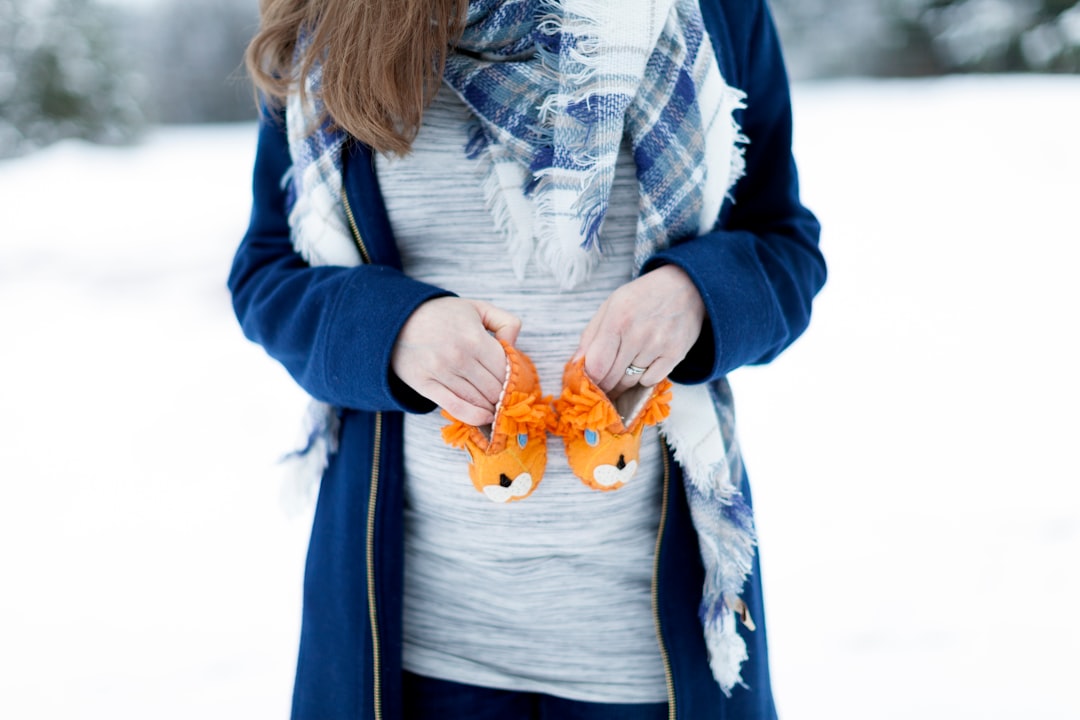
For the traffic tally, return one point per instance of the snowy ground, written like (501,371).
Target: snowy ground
(913,456)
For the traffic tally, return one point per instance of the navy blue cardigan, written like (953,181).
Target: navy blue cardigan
(334,328)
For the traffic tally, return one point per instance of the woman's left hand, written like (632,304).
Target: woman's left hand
(650,322)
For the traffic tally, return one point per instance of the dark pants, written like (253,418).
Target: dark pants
(429,699)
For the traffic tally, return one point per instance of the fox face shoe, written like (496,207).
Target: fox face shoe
(508,457)
(602,437)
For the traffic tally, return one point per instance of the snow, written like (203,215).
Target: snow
(912,455)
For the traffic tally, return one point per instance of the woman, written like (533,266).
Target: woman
(467,205)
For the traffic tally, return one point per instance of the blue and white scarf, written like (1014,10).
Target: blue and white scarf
(555,85)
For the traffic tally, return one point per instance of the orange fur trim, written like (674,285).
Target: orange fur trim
(584,407)
(524,413)
(456,433)
(658,406)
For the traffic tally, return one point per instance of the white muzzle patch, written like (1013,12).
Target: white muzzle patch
(609,475)
(520,487)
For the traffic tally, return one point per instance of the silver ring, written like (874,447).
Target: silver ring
(632,370)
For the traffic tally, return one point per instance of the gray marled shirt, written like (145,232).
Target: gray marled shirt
(551,593)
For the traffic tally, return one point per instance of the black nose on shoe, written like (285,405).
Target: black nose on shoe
(622,462)
(504,481)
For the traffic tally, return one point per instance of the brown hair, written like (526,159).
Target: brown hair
(382,60)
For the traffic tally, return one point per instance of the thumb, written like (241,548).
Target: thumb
(503,324)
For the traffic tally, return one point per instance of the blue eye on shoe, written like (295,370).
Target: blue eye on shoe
(523,439)
(592,438)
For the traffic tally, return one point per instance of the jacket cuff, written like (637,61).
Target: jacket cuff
(740,307)
(353,358)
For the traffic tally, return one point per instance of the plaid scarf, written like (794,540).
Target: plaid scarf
(554,86)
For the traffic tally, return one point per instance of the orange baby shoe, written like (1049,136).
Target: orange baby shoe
(603,438)
(508,457)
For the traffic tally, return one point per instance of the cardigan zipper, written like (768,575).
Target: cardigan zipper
(373,495)
(373,617)
(364,255)
(664,655)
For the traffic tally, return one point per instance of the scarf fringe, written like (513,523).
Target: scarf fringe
(724,149)
(304,467)
(699,443)
(512,223)
(574,65)
(569,262)
(727,652)
(702,436)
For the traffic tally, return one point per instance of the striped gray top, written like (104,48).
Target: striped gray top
(551,593)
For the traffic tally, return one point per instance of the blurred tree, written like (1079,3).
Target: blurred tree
(71,68)
(824,38)
(998,35)
(929,37)
(194,60)
(62,75)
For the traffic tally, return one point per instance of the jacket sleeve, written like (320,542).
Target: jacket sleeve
(333,328)
(759,269)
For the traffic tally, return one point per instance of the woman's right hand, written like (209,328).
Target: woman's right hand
(446,352)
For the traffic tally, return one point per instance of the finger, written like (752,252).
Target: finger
(503,324)
(660,368)
(617,379)
(489,376)
(465,388)
(457,406)
(611,348)
(458,363)
(626,381)
(588,335)
(466,413)
(600,358)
